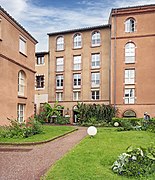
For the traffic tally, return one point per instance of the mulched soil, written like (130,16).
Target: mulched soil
(31,162)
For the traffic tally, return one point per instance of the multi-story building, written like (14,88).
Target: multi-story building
(133,60)
(41,79)
(79,67)
(17,69)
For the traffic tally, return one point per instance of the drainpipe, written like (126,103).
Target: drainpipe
(115,29)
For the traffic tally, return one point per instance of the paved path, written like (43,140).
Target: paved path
(31,162)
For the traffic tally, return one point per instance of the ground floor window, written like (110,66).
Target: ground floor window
(20,113)
(129,114)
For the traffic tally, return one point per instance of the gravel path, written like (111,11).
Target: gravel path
(31,162)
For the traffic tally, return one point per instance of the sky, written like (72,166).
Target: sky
(40,17)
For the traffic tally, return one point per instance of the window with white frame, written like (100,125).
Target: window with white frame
(129,96)
(95,79)
(59,64)
(22,45)
(96,38)
(59,81)
(20,113)
(76,80)
(77,39)
(76,62)
(40,81)
(21,83)
(129,76)
(130,53)
(95,60)
(59,96)
(60,43)
(76,96)
(40,60)
(130,25)
(95,94)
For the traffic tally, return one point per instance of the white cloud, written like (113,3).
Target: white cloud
(41,20)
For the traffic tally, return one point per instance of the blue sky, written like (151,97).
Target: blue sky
(40,17)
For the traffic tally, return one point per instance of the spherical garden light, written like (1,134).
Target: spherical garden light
(92,131)
(116,124)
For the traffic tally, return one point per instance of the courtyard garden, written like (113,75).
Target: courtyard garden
(94,158)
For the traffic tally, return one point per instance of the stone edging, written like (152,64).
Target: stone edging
(37,143)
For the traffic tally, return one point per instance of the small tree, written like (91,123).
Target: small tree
(49,111)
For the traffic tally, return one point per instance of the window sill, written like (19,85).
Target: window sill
(23,54)
(22,97)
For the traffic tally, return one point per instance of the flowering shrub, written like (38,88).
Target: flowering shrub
(135,162)
(24,130)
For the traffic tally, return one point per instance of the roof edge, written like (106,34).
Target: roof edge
(4,11)
(80,29)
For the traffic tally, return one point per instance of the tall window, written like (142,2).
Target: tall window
(77,41)
(20,113)
(60,43)
(40,81)
(95,60)
(60,64)
(129,76)
(129,96)
(40,60)
(77,63)
(21,83)
(96,38)
(22,45)
(95,79)
(130,53)
(59,96)
(130,25)
(95,95)
(76,95)
(0,28)
(59,81)
(77,80)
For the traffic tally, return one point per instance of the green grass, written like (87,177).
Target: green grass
(93,157)
(49,132)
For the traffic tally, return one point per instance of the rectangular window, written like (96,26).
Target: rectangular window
(40,81)
(129,76)
(40,60)
(129,96)
(95,60)
(76,95)
(59,81)
(59,64)
(77,80)
(95,79)
(22,45)
(95,95)
(77,63)
(20,113)
(59,96)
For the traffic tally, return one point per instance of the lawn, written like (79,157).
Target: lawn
(49,132)
(93,157)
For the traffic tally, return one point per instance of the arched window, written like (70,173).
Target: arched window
(96,38)
(60,43)
(130,25)
(77,40)
(21,83)
(130,53)
(129,114)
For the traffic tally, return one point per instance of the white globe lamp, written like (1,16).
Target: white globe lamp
(92,131)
